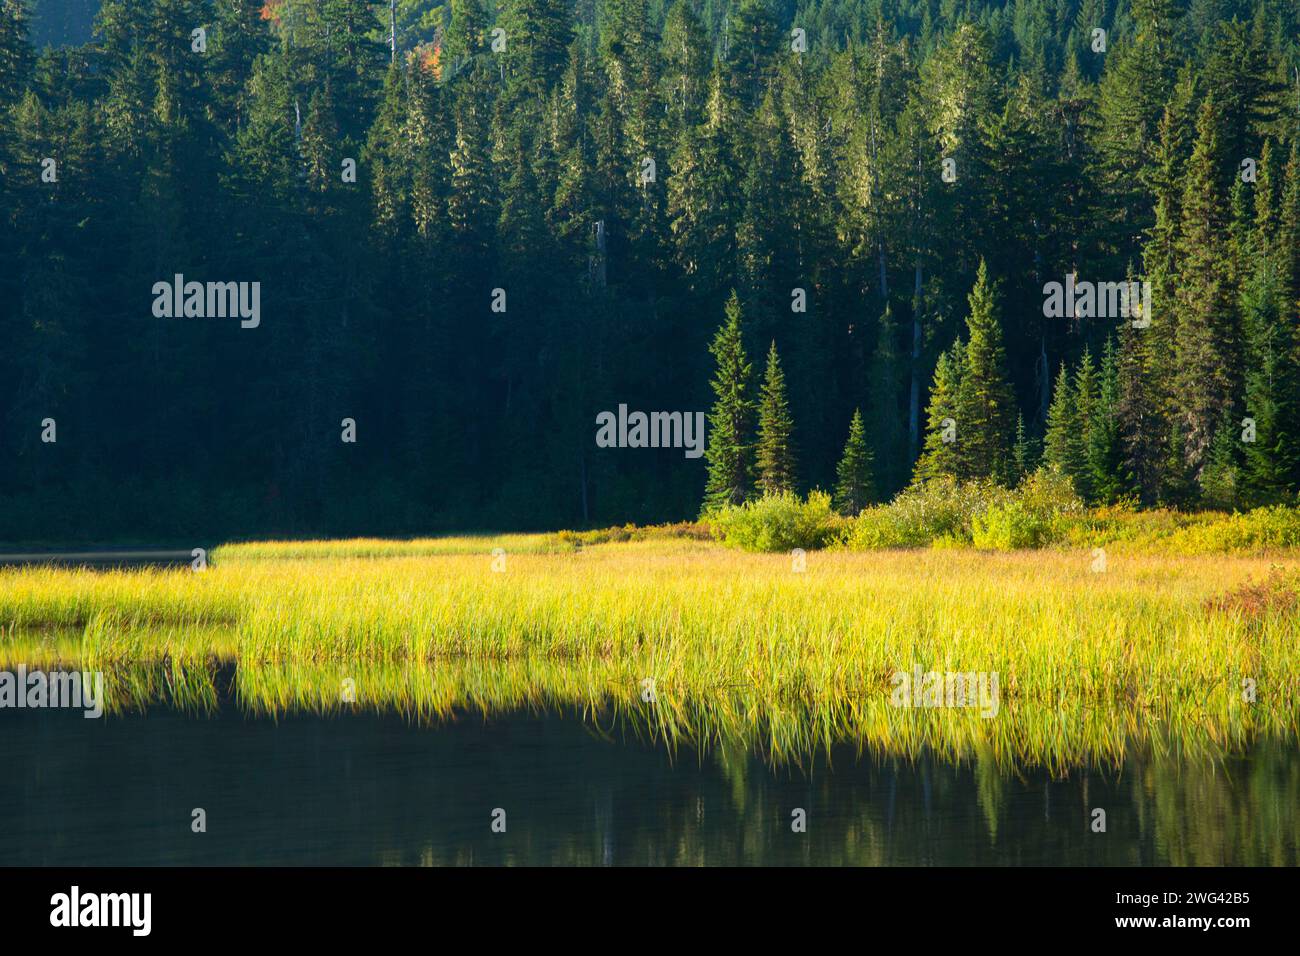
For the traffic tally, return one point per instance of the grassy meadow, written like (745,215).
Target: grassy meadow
(1149,653)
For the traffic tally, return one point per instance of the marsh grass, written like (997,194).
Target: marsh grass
(739,646)
(396,548)
(796,728)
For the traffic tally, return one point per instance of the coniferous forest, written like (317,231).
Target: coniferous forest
(828,223)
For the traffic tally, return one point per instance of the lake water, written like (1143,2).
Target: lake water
(365,788)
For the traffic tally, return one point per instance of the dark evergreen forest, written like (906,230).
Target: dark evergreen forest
(477,231)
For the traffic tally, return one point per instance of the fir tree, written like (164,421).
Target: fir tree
(1220,477)
(1061,442)
(775,457)
(1024,454)
(853,486)
(888,428)
(1105,449)
(985,412)
(1085,418)
(730,445)
(1206,350)
(943,435)
(15,53)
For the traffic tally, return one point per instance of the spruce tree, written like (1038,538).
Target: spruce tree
(1219,479)
(15,52)
(684,52)
(943,431)
(888,429)
(775,457)
(1178,479)
(1061,440)
(729,449)
(1269,387)
(854,484)
(1286,254)
(1147,353)
(1023,453)
(1140,429)
(1105,450)
(537,41)
(1207,351)
(465,35)
(1085,404)
(985,409)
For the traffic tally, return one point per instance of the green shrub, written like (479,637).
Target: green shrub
(778,522)
(1047,492)
(1124,525)
(1009,527)
(943,512)
(1044,510)
(1263,529)
(1036,514)
(941,508)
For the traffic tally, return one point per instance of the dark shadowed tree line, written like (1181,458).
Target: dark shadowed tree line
(830,222)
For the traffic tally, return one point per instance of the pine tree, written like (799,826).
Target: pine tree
(238,40)
(1147,404)
(356,60)
(854,484)
(750,46)
(1135,89)
(390,170)
(266,155)
(730,450)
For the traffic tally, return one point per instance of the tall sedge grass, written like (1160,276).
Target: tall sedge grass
(738,645)
(394,548)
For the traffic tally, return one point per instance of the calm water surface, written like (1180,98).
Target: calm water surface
(373,789)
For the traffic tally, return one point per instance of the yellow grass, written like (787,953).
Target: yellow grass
(737,645)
